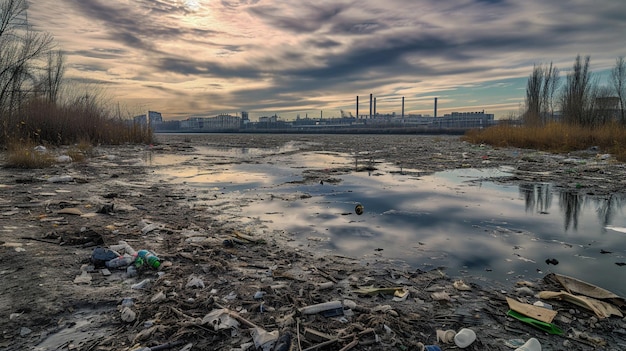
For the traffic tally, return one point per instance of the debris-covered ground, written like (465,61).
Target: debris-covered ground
(221,286)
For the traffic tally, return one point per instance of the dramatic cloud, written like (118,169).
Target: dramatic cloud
(185,57)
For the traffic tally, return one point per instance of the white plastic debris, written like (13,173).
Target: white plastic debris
(128,315)
(141,285)
(264,339)
(60,179)
(195,282)
(158,297)
(220,319)
(64,159)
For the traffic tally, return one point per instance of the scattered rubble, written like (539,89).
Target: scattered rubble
(220,287)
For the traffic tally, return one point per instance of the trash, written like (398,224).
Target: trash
(461,286)
(326,309)
(128,315)
(71,211)
(283,343)
(440,296)
(60,179)
(325,285)
(100,255)
(464,338)
(158,297)
(106,209)
(83,278)
(148,258)
(264,339)
(259,295)
(120,262)
(220,319)
(376,291)
(105,272)
(600,308)
(141,285)
(552,261)
(531,345)
(578,286)
(123,247)
(25,331)
(432,348)
(131,271)
(542,304)
(445,336)
(400,295)
(539,313)
(231,296)
(358,209)
(546,327)
(195,282)
(64,159)
(150,227)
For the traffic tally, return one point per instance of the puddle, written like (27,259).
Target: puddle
(458,219)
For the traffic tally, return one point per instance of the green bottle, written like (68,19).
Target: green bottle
(148,258)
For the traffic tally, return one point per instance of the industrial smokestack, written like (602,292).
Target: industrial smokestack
(370,105)
(374,106)
(435,107)
(357,107)
(403,109)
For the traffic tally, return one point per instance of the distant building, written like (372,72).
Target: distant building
(152,119)
(218,123)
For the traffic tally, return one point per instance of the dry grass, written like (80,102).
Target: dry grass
(23,155)
(85,121)
(555,137)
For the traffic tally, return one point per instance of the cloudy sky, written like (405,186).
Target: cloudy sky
(184,57)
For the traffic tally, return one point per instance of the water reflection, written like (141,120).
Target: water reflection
(538,199)
(538,196)
(458,218)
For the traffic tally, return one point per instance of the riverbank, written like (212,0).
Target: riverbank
(54,298)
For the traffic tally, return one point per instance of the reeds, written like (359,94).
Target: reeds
(555,137)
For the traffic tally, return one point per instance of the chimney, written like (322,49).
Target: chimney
(370,106)
(403,109)
(374,106)
(357,107)
(435,107)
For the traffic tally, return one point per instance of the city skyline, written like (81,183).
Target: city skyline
(191,57)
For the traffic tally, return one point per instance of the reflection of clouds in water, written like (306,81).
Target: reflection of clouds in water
(442,219)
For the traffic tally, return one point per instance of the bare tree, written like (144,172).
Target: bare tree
(50,81)
(540,90)
(20,47)
(550,86)
(533,97)
(618,80)
(576,97)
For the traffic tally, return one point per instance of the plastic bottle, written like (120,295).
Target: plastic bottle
(148,258)
(531,345)
(120,262)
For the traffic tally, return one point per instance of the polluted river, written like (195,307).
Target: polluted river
(463,219)
(281,242)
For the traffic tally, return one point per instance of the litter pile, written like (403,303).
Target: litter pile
(101,246)
(232,291)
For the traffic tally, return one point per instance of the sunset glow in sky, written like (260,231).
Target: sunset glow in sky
(184,57)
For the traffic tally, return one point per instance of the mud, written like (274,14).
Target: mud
(53,298)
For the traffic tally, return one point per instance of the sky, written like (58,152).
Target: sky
(313,58)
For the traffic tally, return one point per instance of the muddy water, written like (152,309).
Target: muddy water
(459,219)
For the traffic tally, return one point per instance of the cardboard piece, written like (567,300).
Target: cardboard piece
(536,312)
